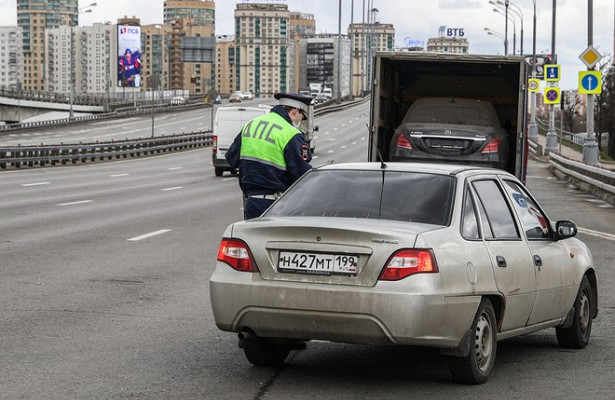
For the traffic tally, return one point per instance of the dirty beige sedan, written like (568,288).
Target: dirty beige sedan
(444,256)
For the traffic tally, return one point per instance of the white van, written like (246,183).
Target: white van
(328,92)
(227,125)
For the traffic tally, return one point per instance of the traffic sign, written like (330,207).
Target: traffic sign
(552,72)
(590,57)
(533,85)
(552,95)
(590,82)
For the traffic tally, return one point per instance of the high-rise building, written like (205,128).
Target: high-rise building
(225,64)
(11,61)
(34,17)
(79,59)
(322,62)
(261,48)
(156,46)
(193,44)
(301,26)
(367,39)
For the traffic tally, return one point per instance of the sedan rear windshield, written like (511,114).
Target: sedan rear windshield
(454,114)
(401,196)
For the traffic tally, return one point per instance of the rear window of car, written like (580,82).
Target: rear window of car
(453,113)
(392,195)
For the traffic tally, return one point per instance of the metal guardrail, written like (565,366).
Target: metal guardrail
(31,156)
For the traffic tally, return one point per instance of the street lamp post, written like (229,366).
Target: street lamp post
(519,13)
(533,127)
(497,34)
(551,143)
(590,146)
(512,19)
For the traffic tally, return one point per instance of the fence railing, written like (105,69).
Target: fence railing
(62,154)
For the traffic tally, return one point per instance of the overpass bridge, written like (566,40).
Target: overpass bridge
(17,106)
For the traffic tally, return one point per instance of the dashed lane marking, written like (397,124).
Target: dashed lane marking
(74,203)
(35,184)
(599,234)
(149,235)
(172,188)
(117,175)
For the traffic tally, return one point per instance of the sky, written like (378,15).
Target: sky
(416,20)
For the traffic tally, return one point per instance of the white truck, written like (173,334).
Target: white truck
(315,88)
(230,120)
(401,78)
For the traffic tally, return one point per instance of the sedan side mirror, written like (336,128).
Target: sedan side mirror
(565,229)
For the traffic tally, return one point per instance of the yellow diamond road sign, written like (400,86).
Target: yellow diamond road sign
(590,57)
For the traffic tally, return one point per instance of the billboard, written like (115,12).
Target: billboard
(129,55)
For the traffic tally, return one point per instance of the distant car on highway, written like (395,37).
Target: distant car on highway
(320,98)
(235,98)
(178,101)
(445,256)
(248,96)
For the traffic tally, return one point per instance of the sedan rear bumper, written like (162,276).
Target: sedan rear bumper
(379,315)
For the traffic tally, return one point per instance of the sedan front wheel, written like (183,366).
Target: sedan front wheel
(264,353)
(577,335)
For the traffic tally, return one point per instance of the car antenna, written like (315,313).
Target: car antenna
(382,163)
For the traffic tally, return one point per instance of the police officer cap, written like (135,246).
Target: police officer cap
(294,100)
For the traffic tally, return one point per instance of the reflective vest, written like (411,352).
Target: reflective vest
(263,139)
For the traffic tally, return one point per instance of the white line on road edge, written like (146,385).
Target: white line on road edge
(149,235)
(35,184)
(603,235)
(75,203)
(173,188)
(117,175)
(174,168)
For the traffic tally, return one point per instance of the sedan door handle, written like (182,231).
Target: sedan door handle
(538,262)
(501,261)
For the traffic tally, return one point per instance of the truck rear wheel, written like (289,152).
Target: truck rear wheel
(218,171)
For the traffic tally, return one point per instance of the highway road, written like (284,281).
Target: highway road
(104,292)
(173,120)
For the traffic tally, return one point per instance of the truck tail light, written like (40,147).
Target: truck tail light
(402,141)
(408,262)
(236,254)
(214,146)
(492,147)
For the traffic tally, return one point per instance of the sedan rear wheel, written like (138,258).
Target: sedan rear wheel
(577,335)
(264,353)
(476,367)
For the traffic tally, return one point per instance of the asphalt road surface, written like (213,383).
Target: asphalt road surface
(104,293)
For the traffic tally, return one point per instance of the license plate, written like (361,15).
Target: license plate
(318,263)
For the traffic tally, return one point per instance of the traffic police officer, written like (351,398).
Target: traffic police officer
(271,153)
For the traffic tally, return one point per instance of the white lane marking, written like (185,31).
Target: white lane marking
(172,188)
(149,235)
(599,234)
(117,175)
(343,147)
(35,184)
(330,151)
(229,179)
(73,203)
(174,168)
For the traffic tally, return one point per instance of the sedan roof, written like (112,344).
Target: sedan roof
(434,168)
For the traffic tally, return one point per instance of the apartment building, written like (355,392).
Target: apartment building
(34,17)
(11,60)
(192,44)
(262,48)
(367,39)
(78,59)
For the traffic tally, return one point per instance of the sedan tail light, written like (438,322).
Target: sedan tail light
(408,262)
(236,254)
(402,141)
(492,147)
(214,146)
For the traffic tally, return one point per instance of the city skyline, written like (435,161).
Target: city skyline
(416,24)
